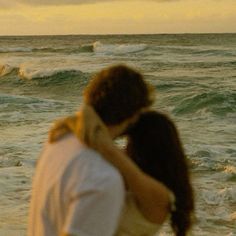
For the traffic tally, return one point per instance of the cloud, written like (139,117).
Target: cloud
(58,2)
(6,4)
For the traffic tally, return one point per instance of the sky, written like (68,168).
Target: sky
(56,17)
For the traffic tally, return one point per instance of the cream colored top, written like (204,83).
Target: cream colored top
(133,223)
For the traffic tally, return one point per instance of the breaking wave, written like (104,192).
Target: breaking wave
(70,50)
(218,103)
(96,47)
(7,69)
(118,48)
(28,73)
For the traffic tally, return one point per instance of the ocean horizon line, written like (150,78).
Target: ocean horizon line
(115,34)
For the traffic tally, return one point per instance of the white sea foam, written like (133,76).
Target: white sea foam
(30,73)
(118,48)
(15,49)
(40,68)
(218,198)
(46,67)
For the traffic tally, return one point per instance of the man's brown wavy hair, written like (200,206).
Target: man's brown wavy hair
(117,93)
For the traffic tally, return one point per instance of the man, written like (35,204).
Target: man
(75,191)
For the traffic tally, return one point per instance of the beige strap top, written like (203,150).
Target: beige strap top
(133,223)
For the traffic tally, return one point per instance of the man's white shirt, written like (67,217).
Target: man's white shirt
(75,191)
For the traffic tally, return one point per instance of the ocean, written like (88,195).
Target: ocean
(42,78)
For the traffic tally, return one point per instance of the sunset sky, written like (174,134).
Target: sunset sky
(36,17)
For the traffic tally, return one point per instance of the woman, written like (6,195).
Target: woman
(154,145)
(156,176)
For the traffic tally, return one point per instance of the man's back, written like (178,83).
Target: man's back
(74,190)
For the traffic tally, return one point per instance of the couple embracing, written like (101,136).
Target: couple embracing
(85,185)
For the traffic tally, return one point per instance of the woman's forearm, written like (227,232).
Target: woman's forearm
(151,195)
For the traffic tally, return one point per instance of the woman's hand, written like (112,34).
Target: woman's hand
(86,126)
(61,128)
(91,130)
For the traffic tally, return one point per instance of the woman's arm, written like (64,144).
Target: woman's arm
(151,195)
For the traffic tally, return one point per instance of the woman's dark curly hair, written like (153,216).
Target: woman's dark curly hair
(154,144)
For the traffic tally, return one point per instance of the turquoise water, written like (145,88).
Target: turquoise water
(42,78)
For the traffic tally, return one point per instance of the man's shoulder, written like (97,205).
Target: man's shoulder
(98,166)
(92,171)
(88,162)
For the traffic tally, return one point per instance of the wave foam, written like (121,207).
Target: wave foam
(28,71)
(15,49)
(70,50)
(118,48)
(97,47)
(219,198)
(31,73)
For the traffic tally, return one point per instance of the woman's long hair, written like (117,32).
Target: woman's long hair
(155,146)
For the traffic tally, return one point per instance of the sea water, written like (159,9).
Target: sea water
(42,78)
